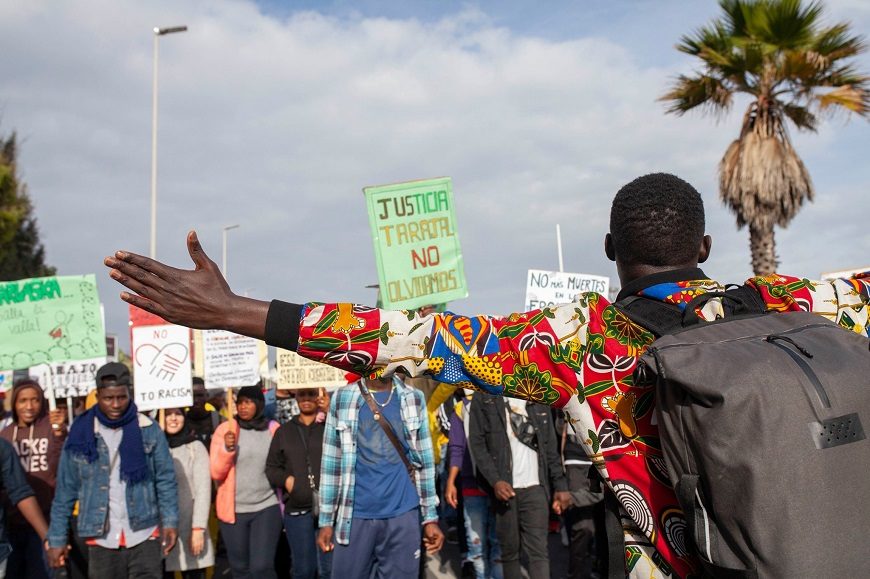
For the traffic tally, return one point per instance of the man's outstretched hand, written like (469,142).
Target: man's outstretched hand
(198,298)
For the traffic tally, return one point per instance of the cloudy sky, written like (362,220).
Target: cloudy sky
(274,115)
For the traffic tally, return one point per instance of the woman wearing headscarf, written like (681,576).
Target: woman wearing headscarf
(250,519)
(37,436)
(193,553)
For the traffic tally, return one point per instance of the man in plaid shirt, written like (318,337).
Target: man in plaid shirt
(370,511)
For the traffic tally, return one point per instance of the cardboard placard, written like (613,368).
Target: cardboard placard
(228,359)
(68,378)
(50,319)
(417,249)
(550,288)
(161,369)
(296,372)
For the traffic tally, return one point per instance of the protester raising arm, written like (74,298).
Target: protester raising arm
(479,352)
(577,356)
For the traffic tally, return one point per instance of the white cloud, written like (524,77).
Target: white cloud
(277,124)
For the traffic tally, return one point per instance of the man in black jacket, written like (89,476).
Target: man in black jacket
(293,465)
(514,448)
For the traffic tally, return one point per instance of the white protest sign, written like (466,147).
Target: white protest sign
(295,372)
(230,360)
(68,378)
(550,288)
(161,371)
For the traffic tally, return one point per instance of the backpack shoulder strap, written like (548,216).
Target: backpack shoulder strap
(657,317)
(750,298)
(388,430)
(662,318)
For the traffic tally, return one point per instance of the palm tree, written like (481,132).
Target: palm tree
(794,68)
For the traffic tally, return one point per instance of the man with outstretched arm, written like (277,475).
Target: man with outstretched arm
(578,356)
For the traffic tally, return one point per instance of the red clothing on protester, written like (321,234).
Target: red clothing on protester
(579,357)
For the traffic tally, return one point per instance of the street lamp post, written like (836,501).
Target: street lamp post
(224,249)
(158,32)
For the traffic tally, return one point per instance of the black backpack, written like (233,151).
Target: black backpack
(760,417)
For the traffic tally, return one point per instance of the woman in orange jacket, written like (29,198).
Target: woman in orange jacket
(249,515)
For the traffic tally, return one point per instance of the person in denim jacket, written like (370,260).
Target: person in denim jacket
(116,463)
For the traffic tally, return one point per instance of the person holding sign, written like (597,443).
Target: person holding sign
(579,356)
(116,464)
(37,435)
(247,506)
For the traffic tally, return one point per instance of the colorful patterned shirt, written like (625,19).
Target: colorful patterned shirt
(579,357)
(338,466)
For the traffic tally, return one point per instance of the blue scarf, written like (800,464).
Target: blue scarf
(82,441)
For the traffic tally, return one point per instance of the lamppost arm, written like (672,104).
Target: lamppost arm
(169,30)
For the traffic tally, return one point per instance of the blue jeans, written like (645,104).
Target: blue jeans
(251,543)
(483,549)
(308,562)
(447,513)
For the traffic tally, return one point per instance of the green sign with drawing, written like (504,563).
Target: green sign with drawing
(416,245)
(50,319)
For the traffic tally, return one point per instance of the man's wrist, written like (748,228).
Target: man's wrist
(246,316)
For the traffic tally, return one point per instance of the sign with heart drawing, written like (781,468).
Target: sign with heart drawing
(162,372)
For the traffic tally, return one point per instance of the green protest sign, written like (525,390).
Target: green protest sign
(50,319)
(416,245)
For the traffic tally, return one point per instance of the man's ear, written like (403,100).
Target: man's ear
(704,250)
(608,247)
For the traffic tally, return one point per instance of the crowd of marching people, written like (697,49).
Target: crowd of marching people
(371,479)
(361,482)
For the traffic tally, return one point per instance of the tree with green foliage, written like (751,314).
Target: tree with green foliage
(21,253)
(794,67)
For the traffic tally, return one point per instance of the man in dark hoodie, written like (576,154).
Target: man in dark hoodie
(37,436)
(293,464)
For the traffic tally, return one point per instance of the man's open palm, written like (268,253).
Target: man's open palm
(198,298)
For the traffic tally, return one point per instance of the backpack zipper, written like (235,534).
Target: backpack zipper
(802,364)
